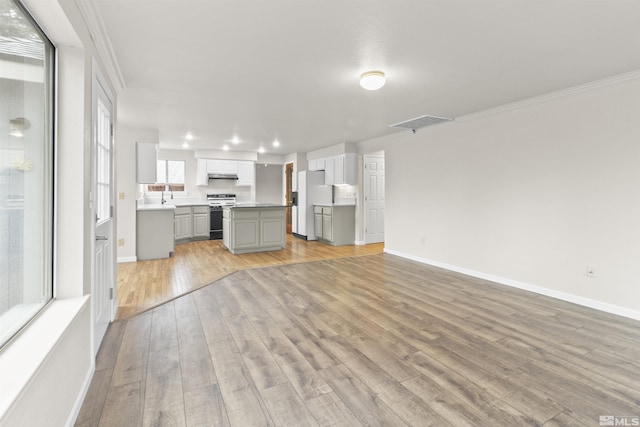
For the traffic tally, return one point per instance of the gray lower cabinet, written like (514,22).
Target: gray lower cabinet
(182,228)
(201,221)
(154,238)
(335,224)
(191,223)
(254,229)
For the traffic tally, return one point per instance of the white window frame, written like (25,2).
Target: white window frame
(166,174)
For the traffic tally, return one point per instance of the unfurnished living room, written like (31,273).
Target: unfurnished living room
(334,213)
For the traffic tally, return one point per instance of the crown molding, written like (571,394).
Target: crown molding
(98,33)
(551,96)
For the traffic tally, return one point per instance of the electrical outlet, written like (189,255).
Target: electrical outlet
(120,242)
(591,271)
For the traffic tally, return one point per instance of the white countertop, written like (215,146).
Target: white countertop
(178,202)
(255,206)
(156,207)
(334,205)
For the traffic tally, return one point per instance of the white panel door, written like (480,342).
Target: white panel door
(103,284)
(374,199)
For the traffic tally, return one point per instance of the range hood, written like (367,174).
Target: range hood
(223,176)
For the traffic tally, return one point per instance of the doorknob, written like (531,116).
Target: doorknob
(102,238)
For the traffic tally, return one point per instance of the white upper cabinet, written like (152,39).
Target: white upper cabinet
(244,169)
(342,169)
(147,162)
(316,165)
(246,173)
(214,166)
(345,169)
(230,166)
(202,178)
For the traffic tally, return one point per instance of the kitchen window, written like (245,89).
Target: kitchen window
(26,169)
(170,176)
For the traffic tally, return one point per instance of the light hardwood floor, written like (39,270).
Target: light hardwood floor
(370,340)
(146,284)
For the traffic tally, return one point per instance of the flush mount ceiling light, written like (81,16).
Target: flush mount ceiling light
(189,136)
(372,80)
(185,144)
(276,143)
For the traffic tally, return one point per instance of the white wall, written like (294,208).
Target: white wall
(529,195)
(269,187)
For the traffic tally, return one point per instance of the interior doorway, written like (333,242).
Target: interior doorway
(373,198)
(288,172)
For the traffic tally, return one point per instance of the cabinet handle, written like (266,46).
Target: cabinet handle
(102,238)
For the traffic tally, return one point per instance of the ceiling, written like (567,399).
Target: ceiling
(289,69)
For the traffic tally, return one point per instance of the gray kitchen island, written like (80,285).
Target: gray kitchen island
(256,227)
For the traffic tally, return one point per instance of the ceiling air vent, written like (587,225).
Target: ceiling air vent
(420,122)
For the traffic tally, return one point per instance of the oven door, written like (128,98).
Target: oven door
(215,222)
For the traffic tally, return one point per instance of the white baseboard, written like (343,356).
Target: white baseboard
(127,259)
(75,411)
(564,296)
(360,242)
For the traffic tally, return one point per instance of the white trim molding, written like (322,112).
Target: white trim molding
(77,406)
(575,299)
(95,25)
(620,78)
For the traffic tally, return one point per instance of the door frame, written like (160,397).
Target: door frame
(99,83)
(288,189)
(364,193)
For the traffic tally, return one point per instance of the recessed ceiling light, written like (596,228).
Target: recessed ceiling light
(235,140)
(261,150)
(189,136)
(225,147)
(185,144)
(276,143)
(372,80)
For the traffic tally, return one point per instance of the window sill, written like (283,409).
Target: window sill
(22,358)
(17,315)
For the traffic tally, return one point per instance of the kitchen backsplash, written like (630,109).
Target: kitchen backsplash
(344,194)
(218,186)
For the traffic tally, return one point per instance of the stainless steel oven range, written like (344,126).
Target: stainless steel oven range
(216,203)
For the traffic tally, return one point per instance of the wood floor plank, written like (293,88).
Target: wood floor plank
(304,379)
(195,362)
(370,340)
(95,399)
(263,369)
(108,354)
(360,400)
(242,401)
(164,335)
(123,406)
(164,399)
(144,284)
(329,410)
(286,407)
(131,364)
(204,407)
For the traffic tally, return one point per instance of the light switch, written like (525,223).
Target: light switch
(120,196)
